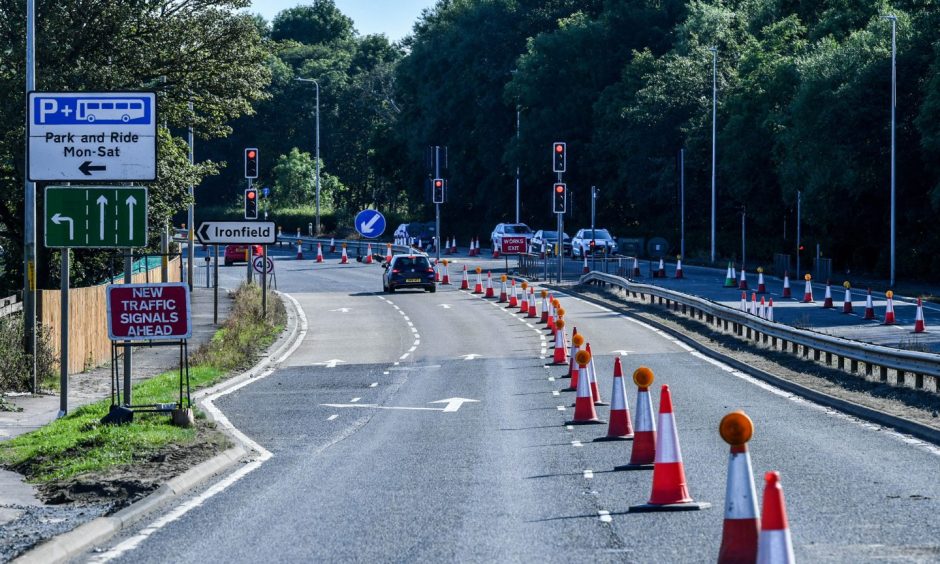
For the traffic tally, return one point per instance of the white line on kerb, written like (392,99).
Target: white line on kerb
(354,400)
(403,357)
(556,393)
(604,516)
(560,408)
(576,444)
(588,474)
(332,417)
(374,384)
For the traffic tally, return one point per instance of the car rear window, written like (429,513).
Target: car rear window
(517,229)
(412,262)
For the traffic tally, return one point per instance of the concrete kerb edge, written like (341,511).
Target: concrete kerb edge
(913,428)
(63,547)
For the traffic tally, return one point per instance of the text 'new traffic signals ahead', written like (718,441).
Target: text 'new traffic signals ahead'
(559,197)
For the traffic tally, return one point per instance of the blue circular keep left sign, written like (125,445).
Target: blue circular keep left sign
(370,223)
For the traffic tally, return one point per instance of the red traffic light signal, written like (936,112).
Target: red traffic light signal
(250,194)
(559,198)
(559,156)
(251,163)
(251,203)
(437,195)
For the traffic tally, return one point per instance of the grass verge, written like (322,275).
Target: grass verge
(79,444)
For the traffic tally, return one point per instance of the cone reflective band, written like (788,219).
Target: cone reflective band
(619,428)
(643,453)
(670,490)
(741,525)
(559,156)
(775,545)
(584,412)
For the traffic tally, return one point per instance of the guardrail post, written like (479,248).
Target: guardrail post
(841,362)
(883,373)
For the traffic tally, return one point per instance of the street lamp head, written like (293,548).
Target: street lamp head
(891,17)
(713,49)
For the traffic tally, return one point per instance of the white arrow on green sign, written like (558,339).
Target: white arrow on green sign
(95,217)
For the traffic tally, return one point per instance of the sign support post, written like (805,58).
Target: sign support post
(215,290)
(128,354)
(264,283)
(64,337)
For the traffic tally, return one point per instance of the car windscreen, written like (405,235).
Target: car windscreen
(519,229)
(412,263)
(553,235)
(598,234)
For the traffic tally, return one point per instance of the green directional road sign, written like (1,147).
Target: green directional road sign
(96,216)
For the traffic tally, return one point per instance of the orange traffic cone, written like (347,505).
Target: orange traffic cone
(774,544)
(544,307)
(679,267)
(584,412)
(786,285)
(742,284)
(332,245)
(542,251)
(808,290)
(763,308)
(437,271)
(889,308)
(495,252)
(744,302)
(753,310)
(531,313)
(670,491)
(344,259)
(585,269)
(369,253)
(465,282)
(644,431)
(388,253)
(489,285)
(446,278)
(770,310)
(319,252)
(869,307)
(619,428)
(524,302)
(847,301)
(300,249)
(561,353)
(551,316)
(478,287)
(761,287)
(661,272)
(592,374)
(636,267)
(919,318)
(513,301)
(577,340)
(827,299)
(742,526)
(453,246)
(503,298)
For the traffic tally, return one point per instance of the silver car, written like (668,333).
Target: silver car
(585,242)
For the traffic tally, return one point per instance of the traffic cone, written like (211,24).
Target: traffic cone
(636,268)
(742,284)
(619,428)
(531,313)
(495,252)
(465,282)
(729,278)
(585,269)
(919,318)
(550,319)
(542,251)
(584,412)
(827,299)
(786,285)
(369,253)
(670,491)
(332,245)
(437,272)
(679,267)
(489,285)
(524,302)
(889,308)
(744,302)
(741,526)
(513,302)
(388,253)
(577,340)
(446,278)
(503,298)
(869,307)
(761,287)
(847,301)
(474,245)
(661,272)
(753,303)
(592,374)
(559,315)
(344,259)
(808,290)
(478,287)
(561,352)
(453,246)
(774,545)
(770,310)
(319,252)
(300,249)
(544,307)
(420,247)
(643,454)
(763,308)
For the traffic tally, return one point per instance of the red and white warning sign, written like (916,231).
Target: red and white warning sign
(143,312)
(513,245)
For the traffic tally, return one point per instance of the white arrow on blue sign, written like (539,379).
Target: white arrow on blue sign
(370,223)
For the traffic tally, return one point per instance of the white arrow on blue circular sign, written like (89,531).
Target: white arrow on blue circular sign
(370,223)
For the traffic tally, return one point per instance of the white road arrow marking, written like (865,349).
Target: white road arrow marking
(621,352)
(102,202)
(445,306)
(453,404)
(470,356)
(366,228)
(59,218)
(331,363)
(131,201)
(342,310)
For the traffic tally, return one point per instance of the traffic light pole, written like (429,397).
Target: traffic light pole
(561,240)
(29,211)
(437,207)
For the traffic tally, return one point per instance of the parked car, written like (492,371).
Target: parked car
(423,231)
(511,229)
(236,253)
(586,242)
(550,238)
(408,271)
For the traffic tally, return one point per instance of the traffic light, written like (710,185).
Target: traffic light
(438,191)
(559,156)
(559,198)
(251,163)
(251,203)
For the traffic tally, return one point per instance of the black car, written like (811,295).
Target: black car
(408,271)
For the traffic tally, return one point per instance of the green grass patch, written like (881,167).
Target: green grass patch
(79,443)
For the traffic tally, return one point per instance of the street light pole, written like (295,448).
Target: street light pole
(593,234)
(317,149)
(29,211)
(517,164)
(894,103)
(682,203)
(714,51)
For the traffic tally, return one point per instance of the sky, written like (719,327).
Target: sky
(394,18)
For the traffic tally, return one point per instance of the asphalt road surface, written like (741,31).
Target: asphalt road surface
(365,466)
